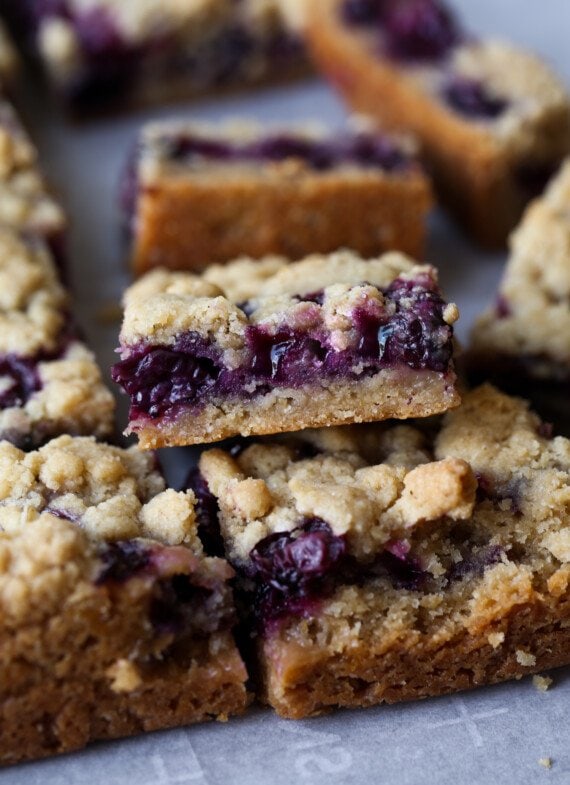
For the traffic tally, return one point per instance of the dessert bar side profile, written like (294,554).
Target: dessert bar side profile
(527,329)
(325,341)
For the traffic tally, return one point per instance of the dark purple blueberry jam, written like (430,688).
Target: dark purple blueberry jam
(546,430)
(362,12)
(21,375)
(180,607)
(502,307)
(471,98)
(420,30)
(475,564)
(206,514)
(294,569)
(412,334)
(121,561)
(360,149)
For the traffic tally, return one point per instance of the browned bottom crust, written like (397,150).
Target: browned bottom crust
(68,681)
(401,394)
(186,223)
(300,681)
(471,172)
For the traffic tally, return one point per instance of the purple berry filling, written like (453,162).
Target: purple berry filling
(19,376)
(362,12)
(360,149)
(293,570)
(180,607)
(206,509)
(121,561)
(420,30)
(411,30)
(20,380)
(162,380)
(471,99)
(475,564)
(502,307)
(181,603)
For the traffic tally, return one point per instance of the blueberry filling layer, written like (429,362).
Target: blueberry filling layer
(410,333)
(411,30)
(292,572)
(470,98)
(360,149)
(19,376)
(180,602)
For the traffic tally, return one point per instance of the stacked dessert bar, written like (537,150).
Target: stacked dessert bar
(113,53)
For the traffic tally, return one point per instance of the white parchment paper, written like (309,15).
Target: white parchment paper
(493,735)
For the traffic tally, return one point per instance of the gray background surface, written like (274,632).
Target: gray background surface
(493,735)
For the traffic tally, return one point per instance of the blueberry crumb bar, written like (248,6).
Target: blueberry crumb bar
(493,120)
(522,341)
(114,53)
(49,380)
(259,347)
(390,562)
(113,621)
(195,194)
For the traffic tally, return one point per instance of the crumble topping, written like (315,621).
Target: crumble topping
(110,493)
(376,483)
(163,305)
(537,99)
(24,200)
(541,683)
(32,301)
(534,315)
(71,398)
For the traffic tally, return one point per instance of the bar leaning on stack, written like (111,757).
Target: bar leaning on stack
(259,347)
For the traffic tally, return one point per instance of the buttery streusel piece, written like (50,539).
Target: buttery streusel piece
(195,193)
(49,381)
(389,562)
(113,621)
(493,120)
(103,53)
(259,347)
(525,335)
